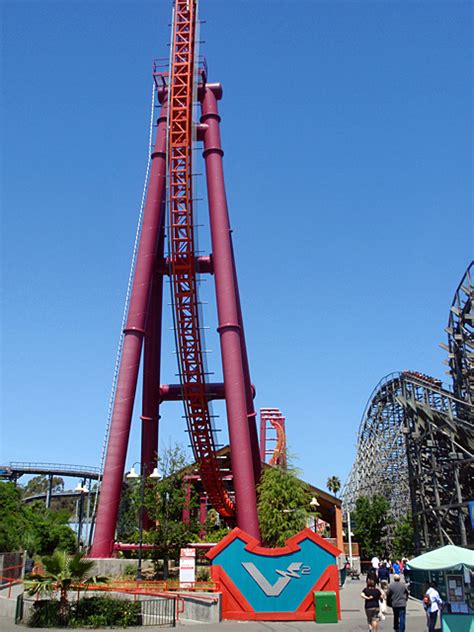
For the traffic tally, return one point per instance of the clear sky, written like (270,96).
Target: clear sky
(347,130)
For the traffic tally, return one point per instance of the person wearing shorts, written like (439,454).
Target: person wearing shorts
(372,598)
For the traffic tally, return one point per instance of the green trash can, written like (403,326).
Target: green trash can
(325,607)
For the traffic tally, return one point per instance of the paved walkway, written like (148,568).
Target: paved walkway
(353,619)
(352,613)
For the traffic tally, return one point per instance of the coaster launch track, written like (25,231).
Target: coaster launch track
(172,158)
(183,269)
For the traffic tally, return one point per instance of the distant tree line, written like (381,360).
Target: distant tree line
(32,527)
(375,532)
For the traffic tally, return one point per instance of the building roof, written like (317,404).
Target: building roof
(326,501)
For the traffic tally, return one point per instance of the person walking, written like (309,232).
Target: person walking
(406,571)
(384,573)
(372,598)
(372,574)
(397,597)
(375,562)
(432,601)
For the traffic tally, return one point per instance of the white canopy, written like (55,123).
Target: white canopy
(448,557)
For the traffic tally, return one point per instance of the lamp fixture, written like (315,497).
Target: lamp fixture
(132,473)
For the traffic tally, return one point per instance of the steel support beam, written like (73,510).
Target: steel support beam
(230,328)
(151,374)
(203,265)
(134,331)
(174,392)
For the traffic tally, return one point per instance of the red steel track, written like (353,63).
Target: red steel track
(274,417)
(183,267)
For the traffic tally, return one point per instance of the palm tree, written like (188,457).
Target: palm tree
(63,572)
(333,484)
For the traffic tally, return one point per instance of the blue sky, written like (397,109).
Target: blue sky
(347,130)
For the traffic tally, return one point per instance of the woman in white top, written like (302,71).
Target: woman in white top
(433,606)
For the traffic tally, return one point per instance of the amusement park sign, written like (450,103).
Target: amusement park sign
(273,584)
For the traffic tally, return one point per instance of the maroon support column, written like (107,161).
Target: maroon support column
(151,374)
(228,314)
(202,515)
(151,368)
(109,498)
(249,391)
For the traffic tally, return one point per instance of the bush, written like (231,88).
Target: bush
(109,611)
(45,614)
(130,570)
(93,612)
(203,574)
(97,611)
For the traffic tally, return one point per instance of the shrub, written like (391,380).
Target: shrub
(130,570)
(92,612)
(203,574)
(96,611)
(45,614)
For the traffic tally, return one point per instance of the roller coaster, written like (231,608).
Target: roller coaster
(273,422)
(416,440)
(180,85)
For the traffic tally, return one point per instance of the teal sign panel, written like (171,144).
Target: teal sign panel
(274,580)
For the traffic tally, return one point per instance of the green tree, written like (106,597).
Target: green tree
(164,502)
(283,505)
(403,537)
(49,530)
(127,520)
(62,572)
(215,529)
(370,518)
(40,484)
(13,523)
(333,484)
(32,527)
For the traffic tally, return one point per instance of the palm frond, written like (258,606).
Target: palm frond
(55,564)
(80,568)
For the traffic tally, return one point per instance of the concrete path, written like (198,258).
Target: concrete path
(353,619)
(352,612)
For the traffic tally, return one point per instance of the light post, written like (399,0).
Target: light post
(155,475)
(349,537)
(314,503)
(81,489)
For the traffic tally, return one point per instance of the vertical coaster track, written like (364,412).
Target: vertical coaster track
(171,162)
(183,267)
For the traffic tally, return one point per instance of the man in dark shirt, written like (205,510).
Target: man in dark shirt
(397,597)
(384,573)
(372,598)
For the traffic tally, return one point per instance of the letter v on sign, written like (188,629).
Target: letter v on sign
(273,590)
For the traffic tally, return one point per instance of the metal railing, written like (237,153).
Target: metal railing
(29,466)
